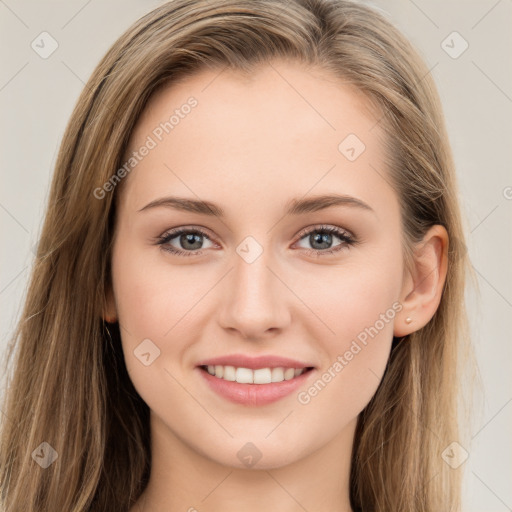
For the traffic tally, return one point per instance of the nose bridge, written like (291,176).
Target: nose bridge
(254,300)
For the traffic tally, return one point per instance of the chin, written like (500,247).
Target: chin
(256,455)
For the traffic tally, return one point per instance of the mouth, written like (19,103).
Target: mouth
(258,376)
(253,387)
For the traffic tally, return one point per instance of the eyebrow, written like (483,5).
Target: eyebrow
(294,206)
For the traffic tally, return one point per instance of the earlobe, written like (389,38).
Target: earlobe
(109,312)
(422,290)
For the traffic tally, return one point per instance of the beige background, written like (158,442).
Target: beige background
(37,96)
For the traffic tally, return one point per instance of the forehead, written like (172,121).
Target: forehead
(310,92)
(284,129)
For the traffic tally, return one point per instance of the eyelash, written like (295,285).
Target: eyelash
(347,240)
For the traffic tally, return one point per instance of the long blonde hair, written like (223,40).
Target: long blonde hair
(69,385)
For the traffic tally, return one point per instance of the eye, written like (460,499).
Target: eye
(189,239)
(321,239)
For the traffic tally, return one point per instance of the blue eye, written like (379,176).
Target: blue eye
(323,235)
(191,241)
(187,238)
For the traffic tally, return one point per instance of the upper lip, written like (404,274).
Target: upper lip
(264,361)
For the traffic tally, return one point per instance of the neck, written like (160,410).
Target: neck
(183,479)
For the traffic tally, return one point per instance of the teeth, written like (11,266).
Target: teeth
(244,376)
(229,373)
(277,374)
(262,376)
(259,376)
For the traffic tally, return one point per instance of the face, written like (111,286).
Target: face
(267,268)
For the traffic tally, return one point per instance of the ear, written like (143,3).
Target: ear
(110,310)
(423,285)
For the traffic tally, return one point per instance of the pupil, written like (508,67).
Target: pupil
(189,238)
(322,238)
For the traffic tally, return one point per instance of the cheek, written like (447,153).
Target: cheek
(151,295)
(351,298)
(159,302)
(359,306)
(150,301)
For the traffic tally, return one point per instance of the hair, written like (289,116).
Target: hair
(69,385)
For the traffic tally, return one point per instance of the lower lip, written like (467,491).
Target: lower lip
(254,394)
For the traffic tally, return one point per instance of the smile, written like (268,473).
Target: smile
(254,387)
(257,376)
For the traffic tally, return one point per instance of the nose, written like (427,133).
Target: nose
(254,300)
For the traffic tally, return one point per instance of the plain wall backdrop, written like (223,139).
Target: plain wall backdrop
(466,45)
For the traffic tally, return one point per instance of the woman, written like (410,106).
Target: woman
(302,353)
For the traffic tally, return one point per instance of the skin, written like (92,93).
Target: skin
(249,146)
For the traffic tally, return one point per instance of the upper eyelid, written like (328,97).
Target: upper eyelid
(172,233)
(320,227)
